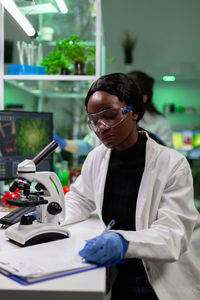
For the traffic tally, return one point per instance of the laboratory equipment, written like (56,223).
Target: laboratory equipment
(15,215)
(23,134)
(187,141)
(48,197)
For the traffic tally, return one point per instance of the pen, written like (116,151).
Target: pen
(106,230)
(109,226)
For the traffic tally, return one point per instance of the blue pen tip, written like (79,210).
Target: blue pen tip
(112,223)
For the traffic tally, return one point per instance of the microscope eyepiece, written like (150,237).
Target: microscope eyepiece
(45,152)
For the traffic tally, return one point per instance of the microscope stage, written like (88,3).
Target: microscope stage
(36,233)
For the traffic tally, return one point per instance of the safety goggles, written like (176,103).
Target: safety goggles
(110,117)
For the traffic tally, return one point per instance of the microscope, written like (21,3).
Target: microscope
(47,197)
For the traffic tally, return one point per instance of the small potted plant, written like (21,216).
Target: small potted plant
(69,53)
(55,62)
(77,51)
(128,45)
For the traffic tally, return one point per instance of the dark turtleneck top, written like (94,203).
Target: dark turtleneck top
(120,198)
(122,184)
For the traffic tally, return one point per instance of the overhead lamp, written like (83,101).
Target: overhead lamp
(12,8)
(169,78)
(62,6)
(38,9)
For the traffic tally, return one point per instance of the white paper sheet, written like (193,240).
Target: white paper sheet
(44,260)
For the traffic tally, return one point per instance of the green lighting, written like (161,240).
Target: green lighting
(169,78)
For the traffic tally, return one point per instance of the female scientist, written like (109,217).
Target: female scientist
(153,120)
(147,189)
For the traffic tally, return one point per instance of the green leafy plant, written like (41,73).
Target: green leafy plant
(112,59)
(67,52)
(55,62)
(128,45)
(76,49)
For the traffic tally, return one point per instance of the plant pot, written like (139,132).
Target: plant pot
(64,71)
(79,68)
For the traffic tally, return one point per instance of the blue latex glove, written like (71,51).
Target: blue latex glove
(105,249)
(61,142)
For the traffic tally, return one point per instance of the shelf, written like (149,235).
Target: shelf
(52,77)
(83,19)
(55,89)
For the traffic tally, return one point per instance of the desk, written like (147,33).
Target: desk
(89,285)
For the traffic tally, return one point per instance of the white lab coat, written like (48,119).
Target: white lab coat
(167,236)
(159,125)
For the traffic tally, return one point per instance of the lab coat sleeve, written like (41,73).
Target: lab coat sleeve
(168,236)
(79,202)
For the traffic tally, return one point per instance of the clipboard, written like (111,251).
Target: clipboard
(25,282)
(29,265)
(44,261)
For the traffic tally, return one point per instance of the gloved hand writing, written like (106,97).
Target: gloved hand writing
(61,142)
(104,249)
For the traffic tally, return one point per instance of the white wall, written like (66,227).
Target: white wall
(168,31)
(168,42)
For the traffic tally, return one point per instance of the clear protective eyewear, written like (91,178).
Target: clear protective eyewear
(110,117)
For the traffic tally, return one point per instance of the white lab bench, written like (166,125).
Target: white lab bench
(87,285)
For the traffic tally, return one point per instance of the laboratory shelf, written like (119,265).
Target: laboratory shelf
(53,88)
(51,77)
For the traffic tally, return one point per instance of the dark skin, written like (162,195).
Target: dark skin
(123,135)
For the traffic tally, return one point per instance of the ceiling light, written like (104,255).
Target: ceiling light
(169,78)
(38,9)
(12,8)
(62,6)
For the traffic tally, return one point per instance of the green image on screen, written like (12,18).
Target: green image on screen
(32,136)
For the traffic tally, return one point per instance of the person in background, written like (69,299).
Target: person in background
(147,189)
(153,121)
(78,146)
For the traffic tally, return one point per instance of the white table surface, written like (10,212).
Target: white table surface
(89,285)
